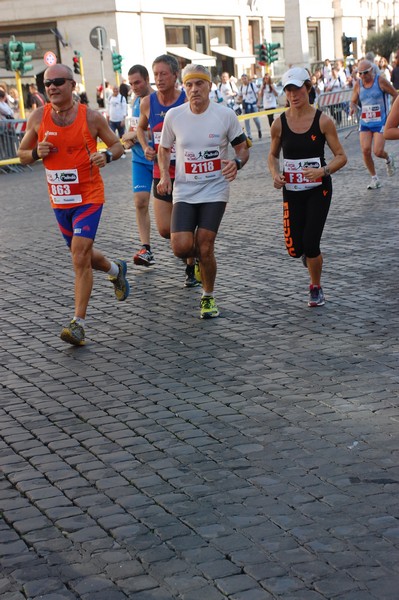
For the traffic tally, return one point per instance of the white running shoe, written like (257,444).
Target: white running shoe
(390,166)
(374,185)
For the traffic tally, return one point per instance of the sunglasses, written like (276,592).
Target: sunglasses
(364,72)
(57,81)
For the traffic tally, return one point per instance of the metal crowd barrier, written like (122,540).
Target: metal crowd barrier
(11,134)
(337,105)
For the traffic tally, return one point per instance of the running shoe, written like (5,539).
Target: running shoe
(316,296)
(120,283)
(73,334)
(390,166)
(197,272)
(190,280)
(374,184)
(144,257)
(209,310)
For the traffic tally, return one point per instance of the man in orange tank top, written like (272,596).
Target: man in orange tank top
(64,135)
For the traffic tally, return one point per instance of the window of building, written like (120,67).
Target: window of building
(200,39)
(224,35)
(178,34)
(314,43)
(278,38)
(199,36)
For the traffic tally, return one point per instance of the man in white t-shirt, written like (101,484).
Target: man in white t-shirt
(249,98)
(201,131)
(228,90)
(117,111)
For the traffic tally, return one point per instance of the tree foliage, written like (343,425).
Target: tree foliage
(383,43)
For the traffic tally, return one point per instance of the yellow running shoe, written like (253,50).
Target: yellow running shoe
(209,310)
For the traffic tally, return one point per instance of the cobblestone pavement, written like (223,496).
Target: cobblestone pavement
(250,457)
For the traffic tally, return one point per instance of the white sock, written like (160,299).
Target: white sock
(114,270)
(80,321)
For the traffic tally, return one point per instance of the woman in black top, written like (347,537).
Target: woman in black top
(301,133)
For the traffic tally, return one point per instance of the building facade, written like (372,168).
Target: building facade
(222,35)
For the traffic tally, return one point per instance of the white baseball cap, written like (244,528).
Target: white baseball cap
(295,76)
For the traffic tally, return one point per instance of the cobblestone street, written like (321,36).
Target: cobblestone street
(250,457)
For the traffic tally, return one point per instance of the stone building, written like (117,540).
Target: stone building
(221,34)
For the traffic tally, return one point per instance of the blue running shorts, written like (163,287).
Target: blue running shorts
(373,129)
(80,221)
(141,176)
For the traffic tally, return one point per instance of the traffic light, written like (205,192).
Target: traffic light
(76,63)
(258,49)
(16,56)
(24,57)
(272,54)
(261,53)
(117,62)
(11,55)
(346,45)
(2,56)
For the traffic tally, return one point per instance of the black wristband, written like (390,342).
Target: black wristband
(35,155)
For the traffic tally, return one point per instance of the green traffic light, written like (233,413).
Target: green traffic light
(117,62)
(27,46)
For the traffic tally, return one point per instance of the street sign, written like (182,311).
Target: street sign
(98,37)
(50,59)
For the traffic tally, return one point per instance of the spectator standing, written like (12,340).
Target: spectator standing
(125,90)
(395,75)
(384,68)
(335,84)
(117,111)
(37,99)
(327,68)
(228,90)
(248,95)
(268,96)
(6,112)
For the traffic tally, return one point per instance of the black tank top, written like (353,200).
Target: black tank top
(303,145)
(306,145)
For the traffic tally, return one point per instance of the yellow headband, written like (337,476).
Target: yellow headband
(195,75)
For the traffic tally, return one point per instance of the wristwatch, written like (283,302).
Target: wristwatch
(239,164)
(108,156)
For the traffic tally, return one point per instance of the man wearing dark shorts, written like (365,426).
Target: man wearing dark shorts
(201,132)
(153,109)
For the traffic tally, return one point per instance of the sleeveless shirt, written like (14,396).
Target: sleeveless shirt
(137,150)
(71,178)
(374,104)
(300,151)
(157,115)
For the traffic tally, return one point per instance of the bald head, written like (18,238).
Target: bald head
(58,70)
